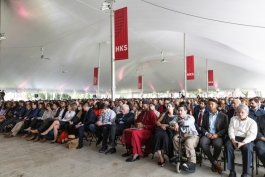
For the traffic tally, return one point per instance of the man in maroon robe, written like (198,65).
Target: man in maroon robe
(136,138)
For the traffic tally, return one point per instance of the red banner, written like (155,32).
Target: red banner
(140,82)
(121,34)
(95,80)
(210,78)
(190,67)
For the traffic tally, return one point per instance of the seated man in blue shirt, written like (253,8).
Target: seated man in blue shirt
(102,126)
(214,129)
(254,110)
(123,120)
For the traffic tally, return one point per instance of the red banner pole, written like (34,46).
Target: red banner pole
(95,80)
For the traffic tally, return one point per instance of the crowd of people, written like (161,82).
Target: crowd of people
(147,126)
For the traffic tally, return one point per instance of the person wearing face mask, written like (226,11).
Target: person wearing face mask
(221,107)
(214,129)
(190,138)
(242,132)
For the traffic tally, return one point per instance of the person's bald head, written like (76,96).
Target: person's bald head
(236,103)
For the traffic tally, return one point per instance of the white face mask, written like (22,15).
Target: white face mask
(219,108)
(78,108)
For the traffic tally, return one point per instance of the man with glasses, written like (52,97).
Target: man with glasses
(242,132)
(123,120)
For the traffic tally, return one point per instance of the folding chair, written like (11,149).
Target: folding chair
(258,164)
(222,160)
(118,138)
(239,164)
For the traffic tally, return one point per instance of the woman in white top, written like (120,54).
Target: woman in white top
(61,122)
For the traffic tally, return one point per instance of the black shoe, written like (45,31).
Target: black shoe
(189,167)
(111,151)
(131,159)
(244,175)
(126,154)
(232,174)
(79,146)
(98,141)
(103,149)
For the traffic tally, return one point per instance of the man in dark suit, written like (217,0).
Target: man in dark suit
(231,112)
(260,141)
(255,111)
(123,121)
(87,118)
(214,129)
(198,114)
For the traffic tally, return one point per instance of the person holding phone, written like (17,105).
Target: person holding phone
(102,126)
(242,132)
(88,117)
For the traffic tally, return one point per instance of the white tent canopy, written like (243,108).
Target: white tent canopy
(230,34)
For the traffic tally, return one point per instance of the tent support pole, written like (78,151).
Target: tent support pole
(185,66)
(207,87)
(112,51)
(98,66)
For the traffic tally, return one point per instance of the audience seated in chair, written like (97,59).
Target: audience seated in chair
(123,121)
(199,112)
(190,139)
(61,122)
(87,118)
(19,122)
(255,110)
(47,122)
(102,127)
(214,130)
(242,132)
(260,141)
(140,136)
(163,135)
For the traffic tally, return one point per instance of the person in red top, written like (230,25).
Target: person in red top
(136,138)
(97,109)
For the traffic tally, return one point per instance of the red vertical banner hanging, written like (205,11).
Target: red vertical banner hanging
(190,67)
(210,78)
(95,80)
(121,34)
(140,80)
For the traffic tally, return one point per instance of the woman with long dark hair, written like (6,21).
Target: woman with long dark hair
(162,141)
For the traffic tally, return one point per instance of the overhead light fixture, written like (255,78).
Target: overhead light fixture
(106,5)
(163,60)
(2,36)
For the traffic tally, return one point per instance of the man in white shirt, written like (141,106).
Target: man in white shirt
(242,132)
(102,126)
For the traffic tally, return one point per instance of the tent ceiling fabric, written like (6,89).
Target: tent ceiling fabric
(70,31)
